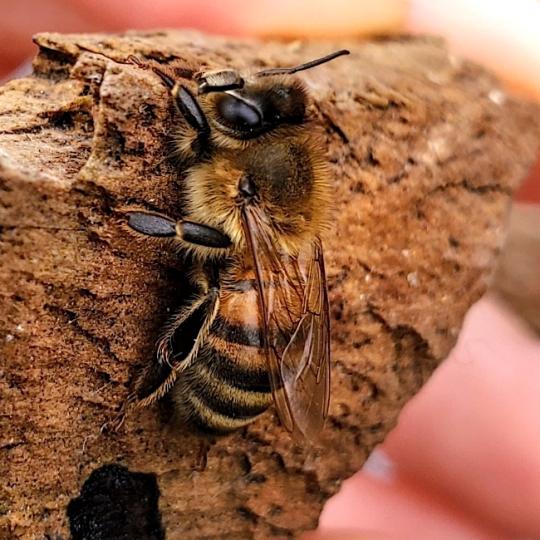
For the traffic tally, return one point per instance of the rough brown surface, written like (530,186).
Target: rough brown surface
(425,151)
(517,279)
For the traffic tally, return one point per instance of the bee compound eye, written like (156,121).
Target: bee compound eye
(238,114)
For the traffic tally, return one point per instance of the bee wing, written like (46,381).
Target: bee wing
(293,302)
(305,364)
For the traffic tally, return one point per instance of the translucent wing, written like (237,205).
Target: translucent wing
(294,309)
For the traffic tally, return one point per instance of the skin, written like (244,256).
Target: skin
(463,462)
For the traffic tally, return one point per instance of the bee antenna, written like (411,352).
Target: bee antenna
(130,60)
(302,67)
(133,60)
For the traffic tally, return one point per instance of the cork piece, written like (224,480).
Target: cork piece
(516,279)
(425,152)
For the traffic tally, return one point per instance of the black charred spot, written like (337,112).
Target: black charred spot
(116,504)
(276,510)
(372,159)
(358,187)
(148,114)
(245,463)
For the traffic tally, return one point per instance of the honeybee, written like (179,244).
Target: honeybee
(258,196)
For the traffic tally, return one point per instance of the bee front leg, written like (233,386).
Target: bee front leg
(158,225)
(185,101)
(188,106)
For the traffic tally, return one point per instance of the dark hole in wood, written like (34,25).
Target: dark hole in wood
(116,504)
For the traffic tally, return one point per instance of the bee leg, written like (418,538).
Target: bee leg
(158,225)
(202,455)
(187,105)
(191,110)
(177,348)
(166,75)
(185,101)
(152,224)
(114,424)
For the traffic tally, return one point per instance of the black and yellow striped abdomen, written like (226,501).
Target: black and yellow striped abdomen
(227,386)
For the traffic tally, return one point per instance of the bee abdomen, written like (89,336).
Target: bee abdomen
(235,334)
(218,394)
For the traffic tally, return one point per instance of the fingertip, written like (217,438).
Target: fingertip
(469,434)
(396,510)
(345,535)
(504,36)
(529,191)
(323,19)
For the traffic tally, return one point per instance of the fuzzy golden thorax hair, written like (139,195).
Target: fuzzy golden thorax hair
(292,190)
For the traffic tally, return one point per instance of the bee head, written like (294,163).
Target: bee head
(245,109)
(259,107)
(283,177)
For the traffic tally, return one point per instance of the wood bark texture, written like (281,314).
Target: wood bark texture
(517,279)
(425,152)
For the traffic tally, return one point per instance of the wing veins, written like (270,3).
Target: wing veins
(296,338)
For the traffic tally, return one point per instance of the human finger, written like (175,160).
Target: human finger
(340,534)
(472,434)
(265,17)
(27,17)
(501,35)
(395,509)
(530,190)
